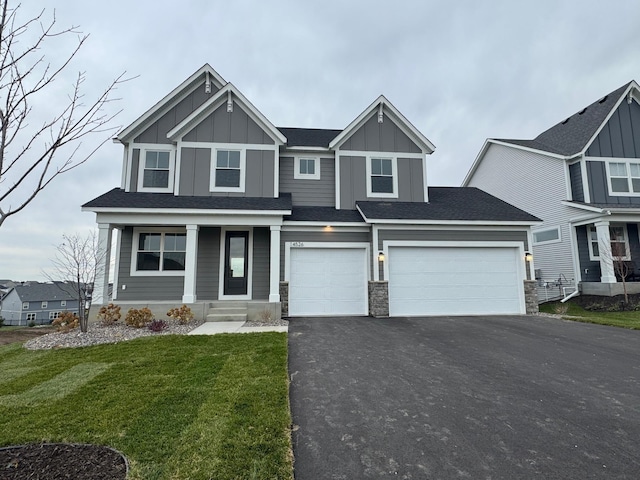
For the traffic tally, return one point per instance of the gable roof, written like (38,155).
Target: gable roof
(309,137)
(574,134)
(39,292)
(400,120)
(447,204)
(172,99)
(214,102)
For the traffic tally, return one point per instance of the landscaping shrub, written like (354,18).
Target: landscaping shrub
(158,325)
(66,322)
(109,314)
(182,314)
(138,318)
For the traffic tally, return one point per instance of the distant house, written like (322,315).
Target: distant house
(37,303)
(582,178)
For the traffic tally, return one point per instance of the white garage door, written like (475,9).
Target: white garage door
(455,281)
(328,281)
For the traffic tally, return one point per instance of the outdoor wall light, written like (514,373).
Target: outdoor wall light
(381,257)
(528,256)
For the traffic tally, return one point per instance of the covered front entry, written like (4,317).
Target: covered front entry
(455,280)
(327,279)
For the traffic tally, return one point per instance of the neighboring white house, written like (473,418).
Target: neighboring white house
(582,178)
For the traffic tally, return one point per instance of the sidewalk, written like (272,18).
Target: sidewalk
(213,328)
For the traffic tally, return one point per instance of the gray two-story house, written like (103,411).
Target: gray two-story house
(582,178)
(223,211)
(35,303)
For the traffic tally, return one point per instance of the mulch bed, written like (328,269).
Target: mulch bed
(54,461)
(608,304)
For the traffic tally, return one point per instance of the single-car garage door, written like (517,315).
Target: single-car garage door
(455,281)
(328,281)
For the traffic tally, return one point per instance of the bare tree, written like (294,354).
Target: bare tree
(37,146)
(616,252)
(76,266)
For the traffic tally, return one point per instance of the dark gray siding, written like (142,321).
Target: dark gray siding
(575,175)
(320,236)
(208,272)
(157,132)
(620,137)
(195,173)
(590,270)
(144,288)
(380,137)
(135,165)
(319,193)
(261,252)
(228,127)
(353,181)
(598,188)
(634,244)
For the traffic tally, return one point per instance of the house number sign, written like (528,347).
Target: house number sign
(297,244)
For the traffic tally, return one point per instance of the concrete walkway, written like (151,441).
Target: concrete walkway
(213,328)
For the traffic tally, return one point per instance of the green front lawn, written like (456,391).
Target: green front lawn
(178,407)
(576,312)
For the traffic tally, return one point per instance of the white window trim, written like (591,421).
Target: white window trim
(141,161)
(63,303)
(31,317)
(25,305)
(54,315)
(394,172)
(223,253)
(243,168)
(306,176)
(44,305)
(627,162)
(592,228)
(134,253)
(547,229)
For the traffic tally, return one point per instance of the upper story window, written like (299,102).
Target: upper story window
(548,235)
(156,170)
(382,177)
(25,305)
(159,253)
(306,168)
(44,305)
(624,178)
(228,170)
(63,303)
(619,243)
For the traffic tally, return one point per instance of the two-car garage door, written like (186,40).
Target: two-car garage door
(455,280)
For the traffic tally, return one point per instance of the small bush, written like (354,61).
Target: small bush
(66,322)
(158,325)
(138,318)
(560,308)
(32,323)
(182,314)
(109,314)
(265,316)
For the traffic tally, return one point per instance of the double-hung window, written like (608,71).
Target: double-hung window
(228,171)
(619,243)
(624,177)
(159,253)
(156,170)
(306,168)
(382,177)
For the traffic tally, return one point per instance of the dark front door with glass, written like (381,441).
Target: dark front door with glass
(236,263)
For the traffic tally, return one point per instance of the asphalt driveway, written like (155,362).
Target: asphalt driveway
(466,397)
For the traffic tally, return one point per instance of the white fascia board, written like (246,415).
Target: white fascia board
(476,162)
(381,222)
(170,100)
(633,85)
(214,102)
(320,150)
(181,219)
(580,206)
(185,211)
(293,223)
(401,121)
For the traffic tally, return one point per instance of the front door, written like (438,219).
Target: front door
(236,264)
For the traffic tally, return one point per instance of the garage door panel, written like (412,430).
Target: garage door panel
(328,281)
(454,280)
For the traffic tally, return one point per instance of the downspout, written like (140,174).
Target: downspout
(571,295)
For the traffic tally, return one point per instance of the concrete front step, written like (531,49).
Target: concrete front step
(226,317)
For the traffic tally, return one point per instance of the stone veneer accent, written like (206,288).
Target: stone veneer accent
(531,297)
(379,299)
(284,298)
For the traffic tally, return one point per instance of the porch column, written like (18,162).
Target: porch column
(190,265)
(274,265)
(607,274)
(100,294)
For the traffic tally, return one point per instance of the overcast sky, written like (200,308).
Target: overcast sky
(460,71)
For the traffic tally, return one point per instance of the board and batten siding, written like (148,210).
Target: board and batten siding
(575,175)
(261,252)
(599,189)
(620,136)
(208,270)
(195,173)
(353,181)
(312,193)
(459,236)
(141,288)
(157,131)
(320,236)
(380,137)
(536,184)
